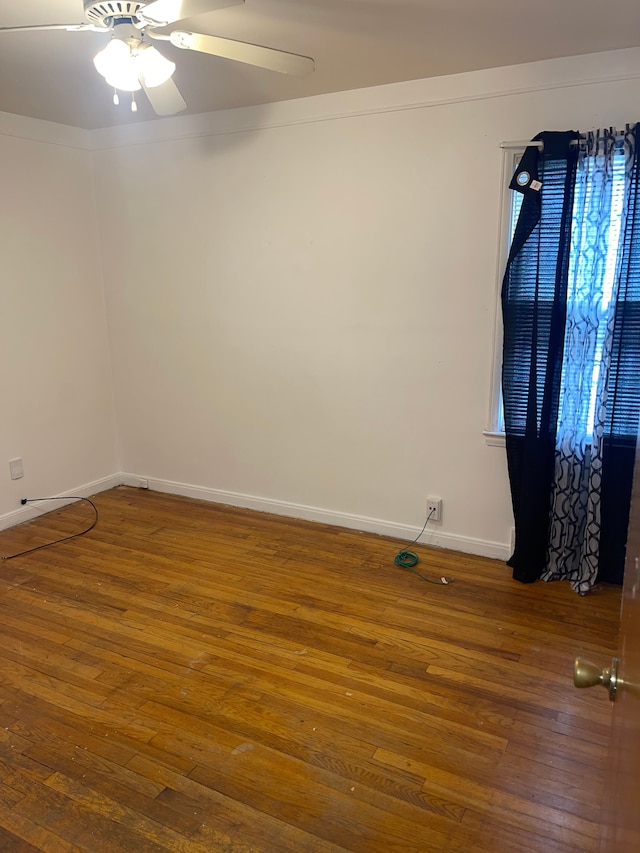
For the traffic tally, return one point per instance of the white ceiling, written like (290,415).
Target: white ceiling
(355,43)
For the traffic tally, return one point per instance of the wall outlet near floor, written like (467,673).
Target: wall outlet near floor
(434,509)
(143,484)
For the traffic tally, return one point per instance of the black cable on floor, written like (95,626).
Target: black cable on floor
(64,538)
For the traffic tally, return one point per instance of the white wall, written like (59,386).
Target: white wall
(55,374)
(300,297)
(301,304)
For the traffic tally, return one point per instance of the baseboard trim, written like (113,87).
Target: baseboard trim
(29,511)
(402,532)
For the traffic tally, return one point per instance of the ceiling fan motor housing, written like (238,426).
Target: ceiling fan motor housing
(105,14)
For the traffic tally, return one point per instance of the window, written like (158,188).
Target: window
(512,202)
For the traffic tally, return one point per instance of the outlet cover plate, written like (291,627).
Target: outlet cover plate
(16,469)
(434,508)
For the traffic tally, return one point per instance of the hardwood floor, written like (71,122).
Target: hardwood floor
(196,678)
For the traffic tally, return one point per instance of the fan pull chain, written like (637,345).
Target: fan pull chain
(134,106)
(116,97)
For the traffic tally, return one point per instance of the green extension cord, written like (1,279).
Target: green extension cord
(408,559)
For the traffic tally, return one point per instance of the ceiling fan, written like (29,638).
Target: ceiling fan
(129,62)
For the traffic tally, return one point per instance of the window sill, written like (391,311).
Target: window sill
(494,439)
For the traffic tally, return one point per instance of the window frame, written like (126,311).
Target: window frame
(494,433)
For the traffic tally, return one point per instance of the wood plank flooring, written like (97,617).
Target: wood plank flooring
(196,678)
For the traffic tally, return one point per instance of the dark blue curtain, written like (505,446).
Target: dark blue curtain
(570,482)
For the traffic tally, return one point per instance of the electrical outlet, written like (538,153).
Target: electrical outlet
(434,509)
(143,484)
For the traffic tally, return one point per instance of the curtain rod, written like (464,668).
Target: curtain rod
(527,143)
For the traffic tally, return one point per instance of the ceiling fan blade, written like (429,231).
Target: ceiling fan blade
(162,12)
(241,51)
(72,28)
(165,99)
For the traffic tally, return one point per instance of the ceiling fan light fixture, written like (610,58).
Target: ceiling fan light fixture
(117,64)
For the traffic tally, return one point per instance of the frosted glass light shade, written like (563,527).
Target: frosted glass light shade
(153,68)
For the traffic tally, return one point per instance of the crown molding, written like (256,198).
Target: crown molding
(567,72)
(36,130)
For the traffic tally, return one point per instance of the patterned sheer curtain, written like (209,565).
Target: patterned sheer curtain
(603,180)
(571,358)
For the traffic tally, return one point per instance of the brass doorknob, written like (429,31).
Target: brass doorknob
(587,674)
